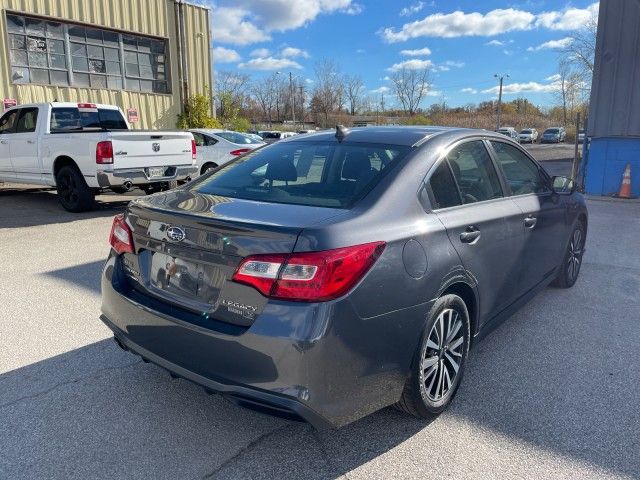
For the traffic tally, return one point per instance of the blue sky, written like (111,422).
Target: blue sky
(464,43)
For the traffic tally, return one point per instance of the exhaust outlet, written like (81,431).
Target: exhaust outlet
(128,185)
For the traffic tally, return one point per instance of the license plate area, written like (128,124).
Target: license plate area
(156,172)
(189,283)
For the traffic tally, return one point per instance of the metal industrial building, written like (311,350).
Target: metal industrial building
(145,56)
(614,112)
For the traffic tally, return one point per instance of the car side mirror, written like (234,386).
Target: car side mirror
(563,185)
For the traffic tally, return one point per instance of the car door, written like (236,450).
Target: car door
(7,128)
(24,147)
(484,226)
(543,212)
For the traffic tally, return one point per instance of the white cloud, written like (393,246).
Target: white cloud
(414,64)
(361,51)
(568,19)
(231,26)
(472,91)
(308,81)
(380,90)
(353,9)
(260,52)
(411,9)
(420,52)
(434,93)
(494,22)
(553,78)
(448,65)
(495,43)
(459,24)
(552,45)
(225,55)
(269,63)
(292,52)
(532,87)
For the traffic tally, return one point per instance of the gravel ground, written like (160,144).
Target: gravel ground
(553,393)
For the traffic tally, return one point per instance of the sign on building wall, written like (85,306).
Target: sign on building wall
(9,102)
(132,114)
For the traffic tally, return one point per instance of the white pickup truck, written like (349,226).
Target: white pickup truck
(84,148)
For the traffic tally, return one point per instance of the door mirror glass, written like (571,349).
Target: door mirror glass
(563,184)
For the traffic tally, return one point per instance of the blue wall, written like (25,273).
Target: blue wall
(607,159)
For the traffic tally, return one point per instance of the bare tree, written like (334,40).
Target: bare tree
(410,87)
(328,92)
(581,51)
(569,88)
(266,93)
(353,88)
(231,88)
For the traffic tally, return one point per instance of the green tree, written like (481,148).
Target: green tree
(416,120)
(197,113)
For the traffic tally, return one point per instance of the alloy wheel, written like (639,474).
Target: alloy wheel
(68,189)
(442,357)
(575,255)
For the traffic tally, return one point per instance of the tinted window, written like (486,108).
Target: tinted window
(444,192)
(69,118)
(551,130)
(522,175)
(27,120)
(238,138)
(199,138)
(474,172)
(8,121)
(317,174)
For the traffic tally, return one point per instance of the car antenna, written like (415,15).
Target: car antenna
(341,132)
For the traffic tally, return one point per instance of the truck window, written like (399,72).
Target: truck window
(71,119)
(8,121)
(27,120)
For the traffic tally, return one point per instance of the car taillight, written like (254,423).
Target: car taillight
(193,149)
(309,276)
(104,152)
(121,237)
(239,151)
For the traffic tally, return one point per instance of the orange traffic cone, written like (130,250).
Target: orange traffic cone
(625,186)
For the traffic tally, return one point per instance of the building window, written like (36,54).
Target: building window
(55,53)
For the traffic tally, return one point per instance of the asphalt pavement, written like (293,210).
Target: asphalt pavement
(553,393)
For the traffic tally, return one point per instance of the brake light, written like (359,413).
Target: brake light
(121,237)
(309,276)
(193,149)
(104,152)
(239,151)
(87,108)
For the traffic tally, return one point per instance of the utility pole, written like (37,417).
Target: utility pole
(293,101)
(501,78)
(302,107)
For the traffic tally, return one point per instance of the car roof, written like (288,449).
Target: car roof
(393,135)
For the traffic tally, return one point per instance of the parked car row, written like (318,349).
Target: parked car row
(530,135)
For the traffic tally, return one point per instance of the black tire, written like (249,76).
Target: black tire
(572,259)
(206,167)
(73,192)
(417,398)
(172,184)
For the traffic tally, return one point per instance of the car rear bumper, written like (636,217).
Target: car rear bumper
(140,176)
(293,361)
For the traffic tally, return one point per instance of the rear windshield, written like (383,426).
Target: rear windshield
(304,173)
(525,132)
(237,138)
(64,119)
(551,130)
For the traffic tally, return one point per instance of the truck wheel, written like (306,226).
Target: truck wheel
(73,192)
(172,184)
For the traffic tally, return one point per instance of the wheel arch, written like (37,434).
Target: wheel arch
(63,161)
(469,296)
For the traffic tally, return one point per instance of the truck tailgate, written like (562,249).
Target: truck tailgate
(133,149)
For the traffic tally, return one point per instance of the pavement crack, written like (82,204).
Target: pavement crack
(250,446)
(65,383)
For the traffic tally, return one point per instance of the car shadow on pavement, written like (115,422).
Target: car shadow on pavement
(27,207)
(86,275)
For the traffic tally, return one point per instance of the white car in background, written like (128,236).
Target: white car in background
(216,147)
(528,135)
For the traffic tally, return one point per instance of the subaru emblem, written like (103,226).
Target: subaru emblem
(155,147)
(176,234)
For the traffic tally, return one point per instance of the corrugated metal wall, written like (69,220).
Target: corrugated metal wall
(615,95)
(147,17)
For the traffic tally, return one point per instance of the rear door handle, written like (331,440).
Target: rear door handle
(471,235)
(31,141)
(4,142)
(530,221)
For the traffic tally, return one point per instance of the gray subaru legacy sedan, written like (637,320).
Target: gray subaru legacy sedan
(333,274)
